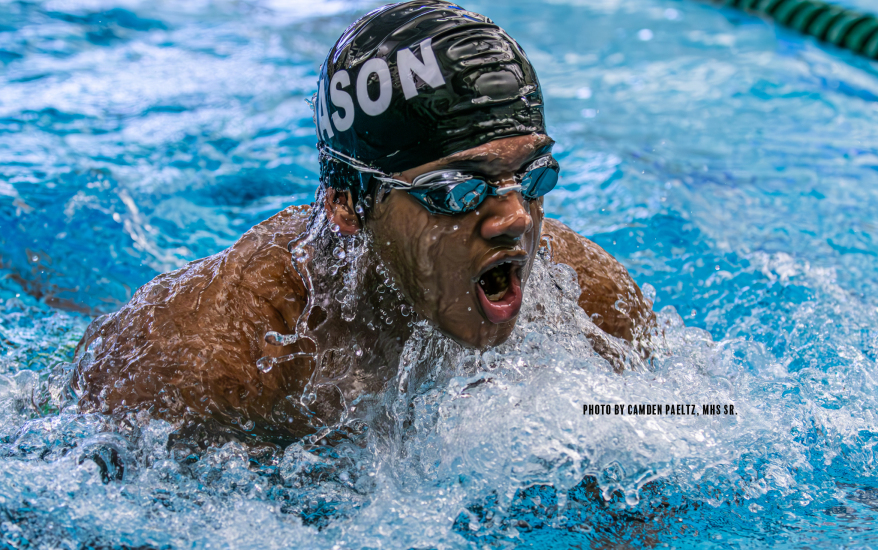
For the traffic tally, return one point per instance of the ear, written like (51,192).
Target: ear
(340,211)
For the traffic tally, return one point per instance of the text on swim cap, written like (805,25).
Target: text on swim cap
(407,64)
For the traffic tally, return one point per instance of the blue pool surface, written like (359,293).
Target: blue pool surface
(731,166)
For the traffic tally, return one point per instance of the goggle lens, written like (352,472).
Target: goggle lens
(467,195)
(540,181)
(459,196)
(453,199)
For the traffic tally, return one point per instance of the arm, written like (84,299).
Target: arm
(604,282)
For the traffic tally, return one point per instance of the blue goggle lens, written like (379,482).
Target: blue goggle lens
(467,195)
(453,199)
(540,181)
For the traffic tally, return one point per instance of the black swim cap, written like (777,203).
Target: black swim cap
(413,82)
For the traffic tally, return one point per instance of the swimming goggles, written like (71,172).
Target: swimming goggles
(454,191)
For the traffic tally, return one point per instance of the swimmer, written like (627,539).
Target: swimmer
(434,161)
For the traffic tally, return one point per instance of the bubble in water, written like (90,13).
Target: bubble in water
(359,209)
(339,253)
(334,228)
(405,310)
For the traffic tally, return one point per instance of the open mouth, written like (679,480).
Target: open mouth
(499,292)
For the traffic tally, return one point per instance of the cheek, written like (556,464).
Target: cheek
(531,240)
(440,275)
(537,214)
(424,253)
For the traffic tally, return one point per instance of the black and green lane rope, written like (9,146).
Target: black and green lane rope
(831,23)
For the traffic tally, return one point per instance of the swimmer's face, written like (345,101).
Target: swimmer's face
(466,273)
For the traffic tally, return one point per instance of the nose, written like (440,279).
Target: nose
(505,216)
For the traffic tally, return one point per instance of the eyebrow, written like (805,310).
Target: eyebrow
(476,163)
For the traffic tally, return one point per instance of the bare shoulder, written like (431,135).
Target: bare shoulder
(604,282)
(260,262)
(189,340)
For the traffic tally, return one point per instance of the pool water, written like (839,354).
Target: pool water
(729,165)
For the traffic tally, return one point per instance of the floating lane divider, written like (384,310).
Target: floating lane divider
(842,27)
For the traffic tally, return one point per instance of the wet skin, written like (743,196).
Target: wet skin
(504,229)
(188,342)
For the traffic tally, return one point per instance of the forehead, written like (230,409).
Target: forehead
(492,158)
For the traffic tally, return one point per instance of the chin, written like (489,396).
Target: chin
(480,336)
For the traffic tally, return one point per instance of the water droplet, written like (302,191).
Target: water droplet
(248,425)
(358,351)
(277,339)
(455,228)
(648,292)
(405,310)
(35,258)
(335,228)
(469,309)
(477,213)
(339,253)
(266,364)
(360,209)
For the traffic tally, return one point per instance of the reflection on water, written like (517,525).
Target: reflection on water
(728,165)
